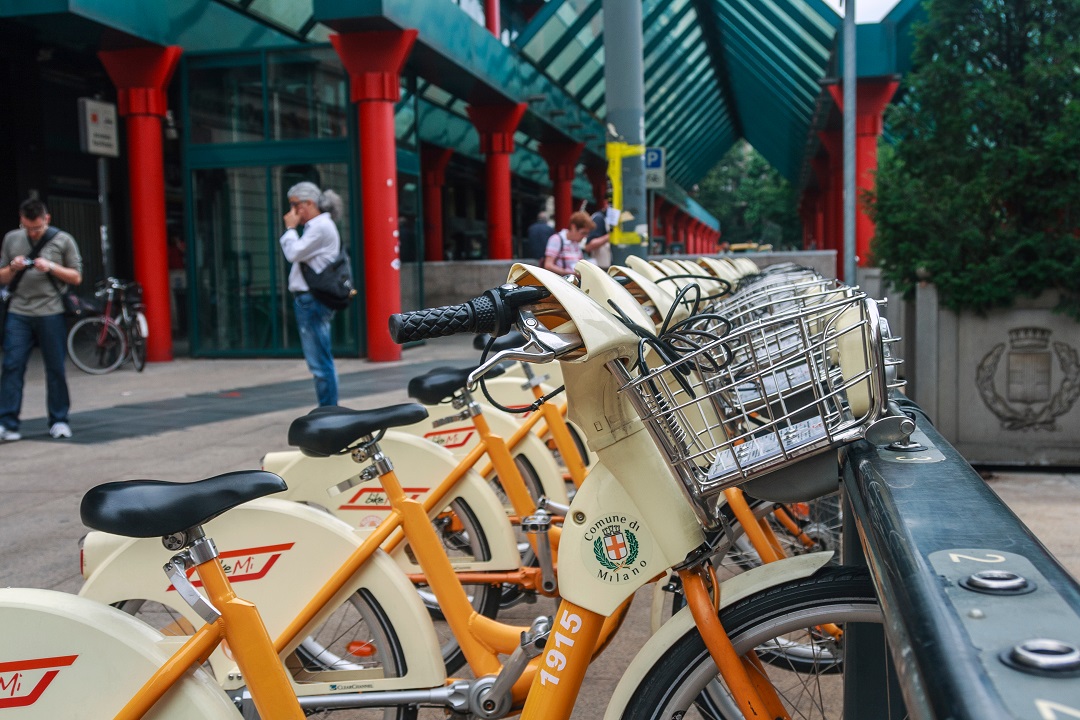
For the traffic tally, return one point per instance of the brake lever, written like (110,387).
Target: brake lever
(542,345)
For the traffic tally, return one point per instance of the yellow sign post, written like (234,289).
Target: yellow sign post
(616,152)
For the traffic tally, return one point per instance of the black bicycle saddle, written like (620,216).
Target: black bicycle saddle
(156,508)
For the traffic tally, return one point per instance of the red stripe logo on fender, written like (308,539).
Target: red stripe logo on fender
(246,565)
(375,498)
(452,438)
(23,682)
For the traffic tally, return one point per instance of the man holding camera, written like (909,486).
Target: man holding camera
(35,263)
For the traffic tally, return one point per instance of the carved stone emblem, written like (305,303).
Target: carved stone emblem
(1029,370)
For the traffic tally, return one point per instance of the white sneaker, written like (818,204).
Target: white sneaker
(10,435)
(60,430)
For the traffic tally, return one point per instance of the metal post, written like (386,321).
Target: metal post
(624,92)
(103,205)
(849,142)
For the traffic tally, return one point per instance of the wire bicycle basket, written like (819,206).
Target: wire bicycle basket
(728,404)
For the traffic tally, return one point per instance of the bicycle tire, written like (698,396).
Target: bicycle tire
(329,647)
(138,341)
(684,680)
(821,520)
(472,541)
(96,345)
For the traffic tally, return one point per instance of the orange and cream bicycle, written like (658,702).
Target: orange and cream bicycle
(638,513)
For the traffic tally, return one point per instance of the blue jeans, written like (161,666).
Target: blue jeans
(20,334)
(313,319)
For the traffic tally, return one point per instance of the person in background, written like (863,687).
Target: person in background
(598,244)
(178,280)
(36,315)
(312,237)
(564,248)
(536,238)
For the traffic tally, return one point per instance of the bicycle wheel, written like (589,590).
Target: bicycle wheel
(96,345)
(138,341)
(685,684)
(356,637)
(820,520)
(462,538)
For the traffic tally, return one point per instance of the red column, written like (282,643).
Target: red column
(597,175)
(654,217)
(562,160)
(669,225)
(141,76)
(433,162)
(496,125)
(808,214)
(833,144)
(872,95)
(491,17)
(374,61)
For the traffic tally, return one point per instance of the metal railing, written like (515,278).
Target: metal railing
(981,621)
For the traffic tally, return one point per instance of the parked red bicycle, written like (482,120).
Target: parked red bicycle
(101,343)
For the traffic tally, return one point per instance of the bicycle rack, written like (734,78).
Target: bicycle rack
(981,621)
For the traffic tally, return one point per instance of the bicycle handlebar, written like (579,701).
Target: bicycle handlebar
(493,312)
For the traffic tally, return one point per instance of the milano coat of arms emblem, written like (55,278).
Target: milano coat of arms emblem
(1030,401)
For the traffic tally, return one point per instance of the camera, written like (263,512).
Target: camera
(27,262)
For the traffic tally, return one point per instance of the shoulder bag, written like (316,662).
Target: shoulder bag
(333,286)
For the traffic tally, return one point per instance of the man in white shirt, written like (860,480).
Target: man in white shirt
(311,237)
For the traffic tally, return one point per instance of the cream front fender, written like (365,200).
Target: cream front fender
(731,591)
(82,659)
(420,466)
(278,554)
(625,526)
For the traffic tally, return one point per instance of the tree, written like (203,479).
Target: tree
(980,192)
(753,202)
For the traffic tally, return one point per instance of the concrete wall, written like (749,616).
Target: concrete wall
(1002,388)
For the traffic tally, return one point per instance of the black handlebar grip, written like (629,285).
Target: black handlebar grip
(476,315)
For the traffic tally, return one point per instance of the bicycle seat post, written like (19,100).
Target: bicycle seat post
(431,556)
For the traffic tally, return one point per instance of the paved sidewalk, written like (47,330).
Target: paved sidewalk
(191,419)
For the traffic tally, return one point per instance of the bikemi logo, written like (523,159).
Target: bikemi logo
(616,547)
(245,565)
(22,683)
(1029,375)
(453,438)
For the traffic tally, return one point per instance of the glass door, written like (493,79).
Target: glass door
(234,273)
(241,278)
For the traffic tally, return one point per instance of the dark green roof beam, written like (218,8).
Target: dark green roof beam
(670,62)
(464,59)
(709,105)
(795,71)
(195,25)
(675,77)
(653,26)
(712,37)
(583,59)
(670,112)
(548,11)
(569,35)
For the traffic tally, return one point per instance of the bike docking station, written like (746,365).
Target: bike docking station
(981,621)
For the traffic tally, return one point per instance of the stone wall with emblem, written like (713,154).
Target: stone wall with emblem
(1002,388)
